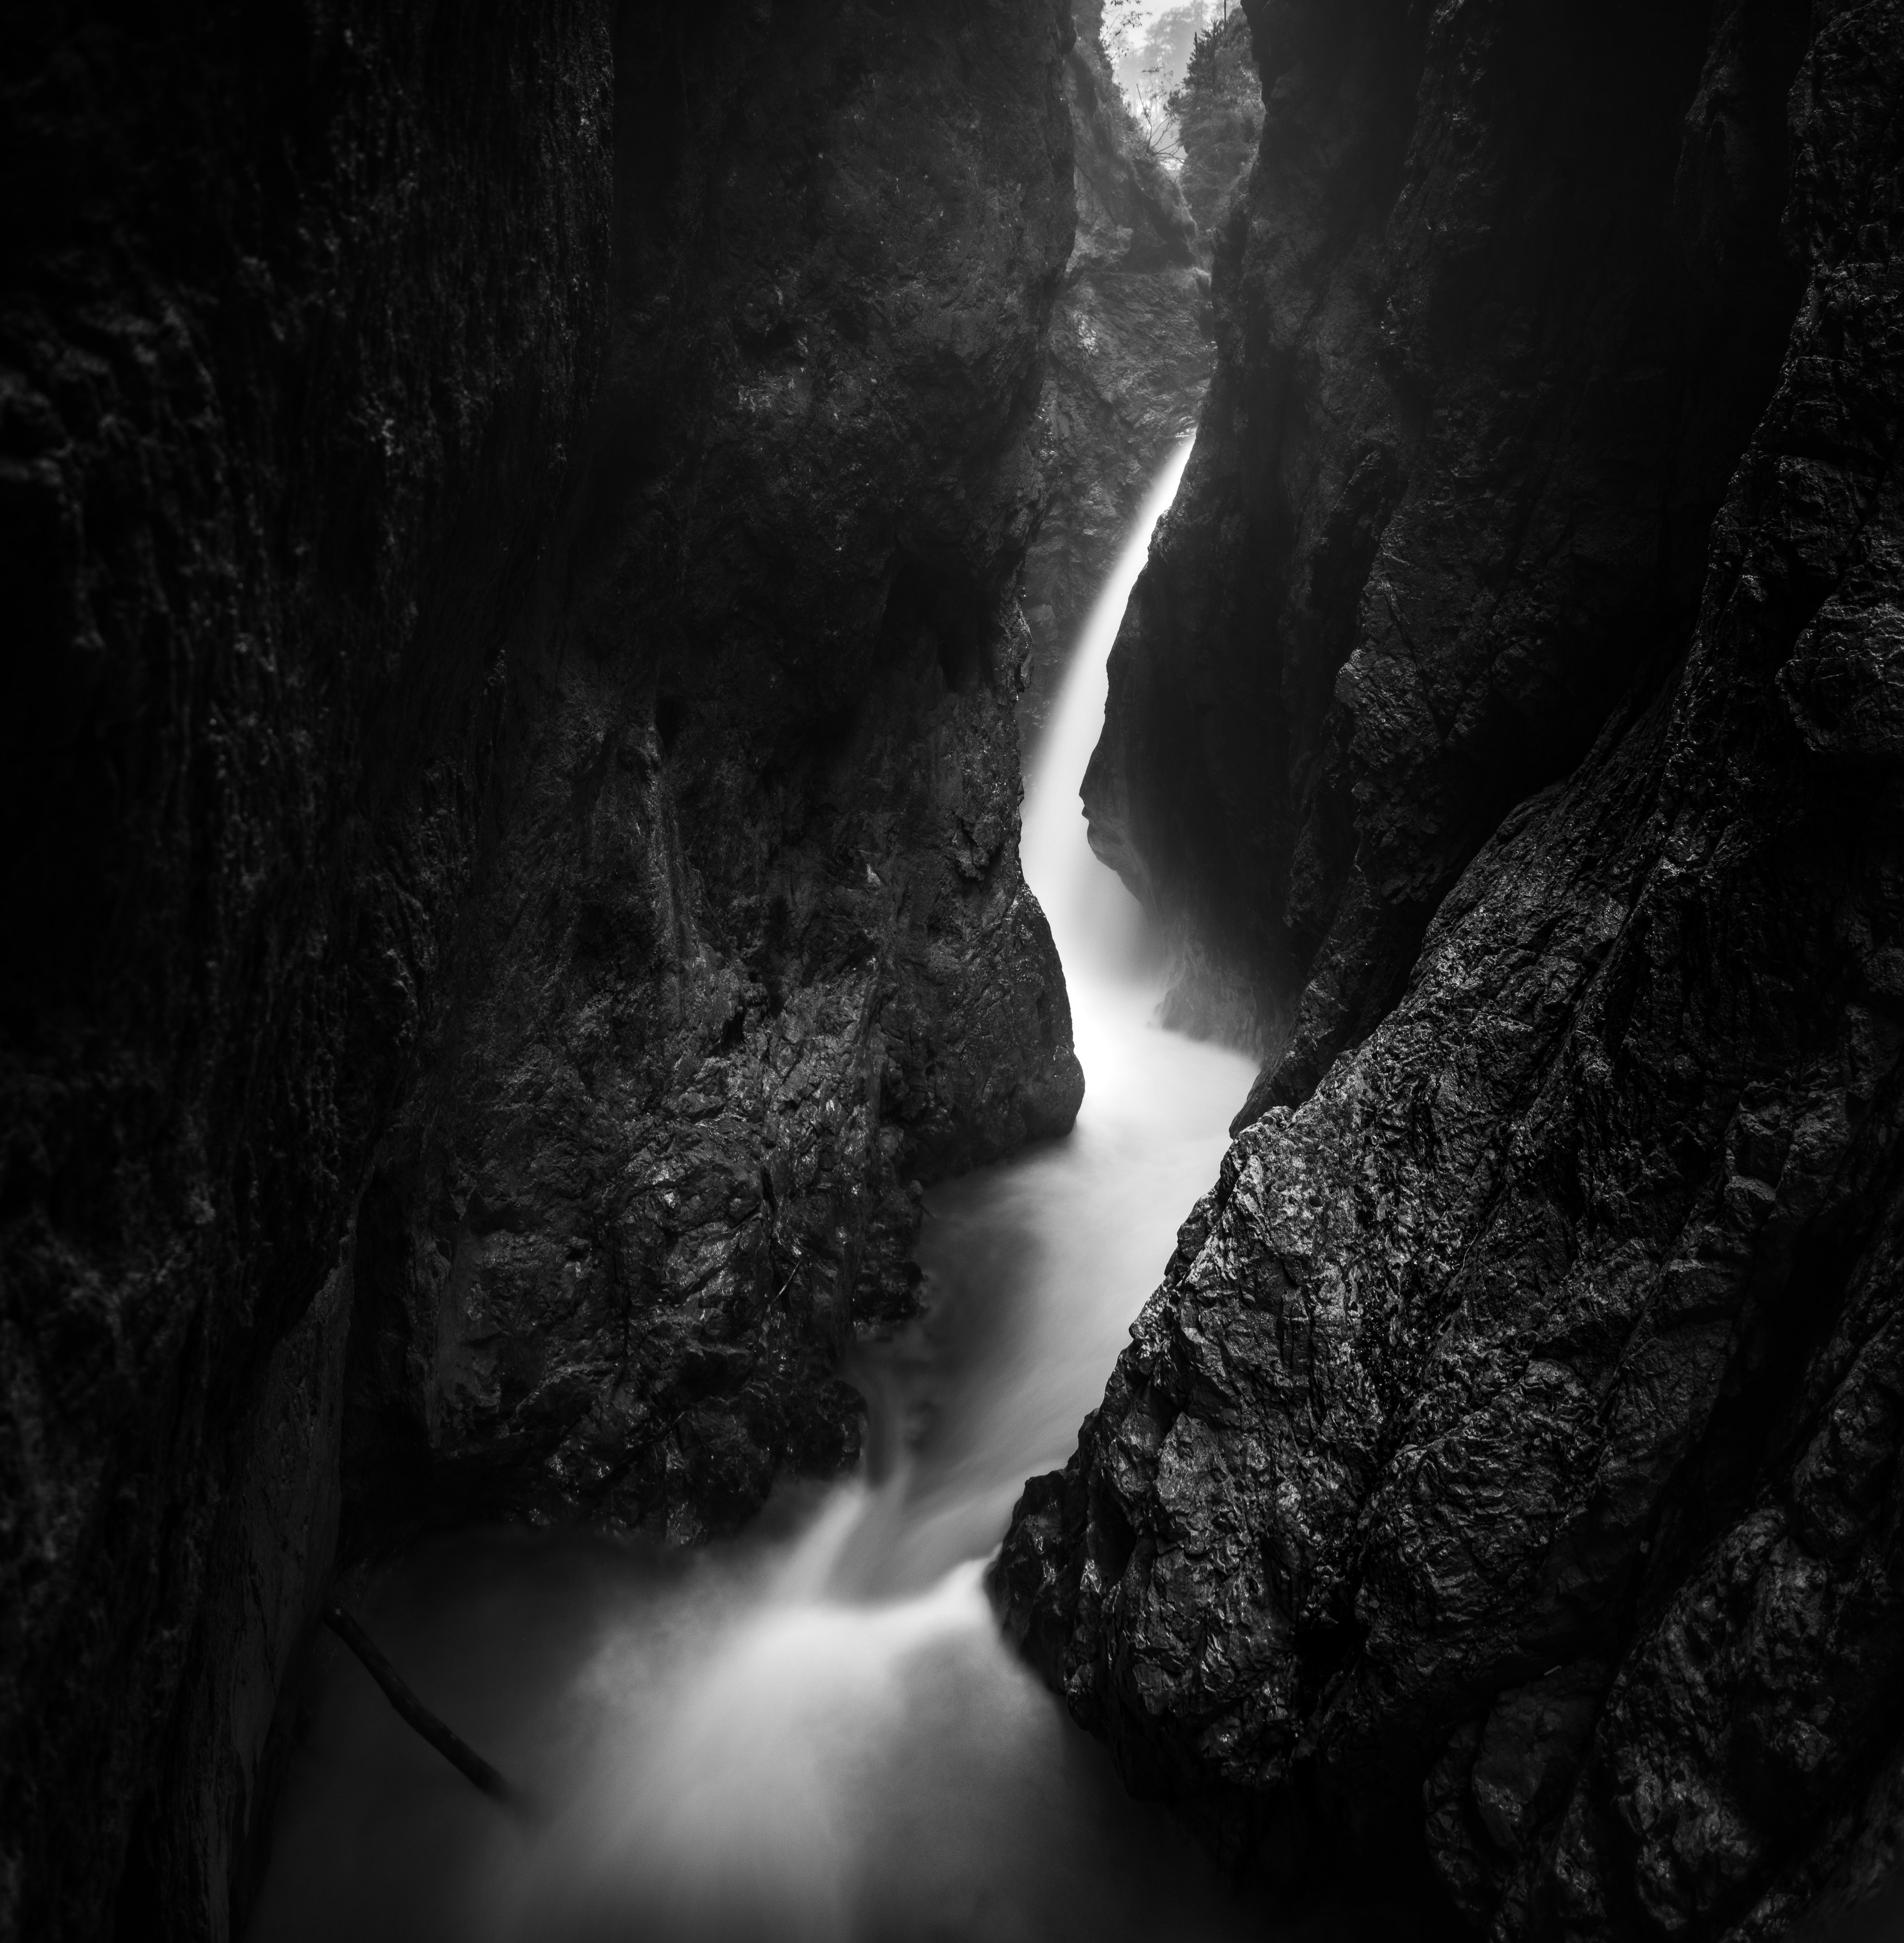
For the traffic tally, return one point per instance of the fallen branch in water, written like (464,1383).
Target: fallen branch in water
(449,1744)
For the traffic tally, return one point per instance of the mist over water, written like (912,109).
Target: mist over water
(817,1732)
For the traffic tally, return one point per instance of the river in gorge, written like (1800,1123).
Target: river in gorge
(817,1732)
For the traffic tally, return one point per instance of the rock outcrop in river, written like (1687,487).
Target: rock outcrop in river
(511,809)
(1500,1499)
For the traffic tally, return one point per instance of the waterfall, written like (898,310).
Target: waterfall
(1096,922)
(822,1735)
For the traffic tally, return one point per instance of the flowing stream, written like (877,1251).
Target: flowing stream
(818,1732)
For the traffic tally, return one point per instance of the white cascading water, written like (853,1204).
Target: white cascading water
(820,1735)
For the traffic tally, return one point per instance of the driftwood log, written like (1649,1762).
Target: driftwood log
(446,1741)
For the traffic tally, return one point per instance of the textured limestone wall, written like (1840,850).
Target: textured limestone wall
(510,806)
(755,956)
(1501,306)
(1498,1503)
(297,324)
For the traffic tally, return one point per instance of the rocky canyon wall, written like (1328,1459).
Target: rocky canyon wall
(755,956)
(1499,1502)
(1493,323)
(299,320)
(512,800)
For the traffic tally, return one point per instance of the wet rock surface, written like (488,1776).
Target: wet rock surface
(283,462)
(1495,319)
(1498,1498)
(1128,360)
(756,955)
(511,800)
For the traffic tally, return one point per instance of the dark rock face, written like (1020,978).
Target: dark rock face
(1501,1494)
(1493,323)
(758,954)
(1219,112)
(283,457)
(511,809)
(1129,359)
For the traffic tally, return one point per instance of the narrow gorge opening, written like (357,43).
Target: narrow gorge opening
(818,1730)
(1313,1351)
